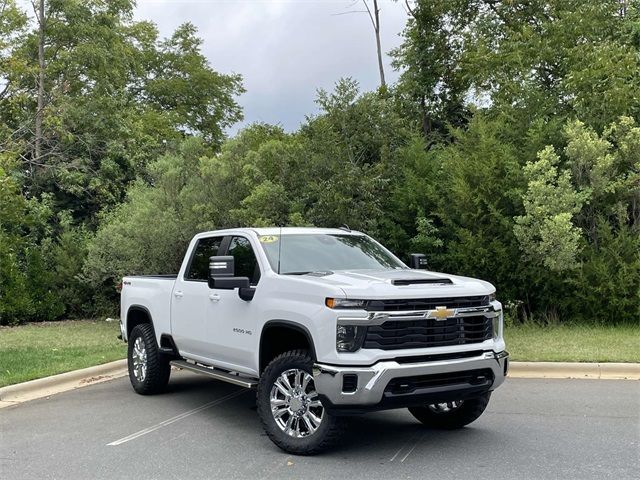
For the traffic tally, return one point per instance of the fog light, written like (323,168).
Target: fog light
(349,338)
(349,383)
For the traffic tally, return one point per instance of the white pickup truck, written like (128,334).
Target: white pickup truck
(323,323)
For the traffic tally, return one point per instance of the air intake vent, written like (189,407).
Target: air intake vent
(428,281)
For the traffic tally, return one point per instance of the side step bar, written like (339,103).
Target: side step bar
(217,374)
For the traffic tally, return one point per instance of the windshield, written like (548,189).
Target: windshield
(306,253)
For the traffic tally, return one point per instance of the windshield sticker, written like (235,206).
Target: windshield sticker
(268,238)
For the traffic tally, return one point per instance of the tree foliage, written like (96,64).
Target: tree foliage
(116,94)
(508,150)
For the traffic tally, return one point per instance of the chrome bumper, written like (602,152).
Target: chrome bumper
(373,380)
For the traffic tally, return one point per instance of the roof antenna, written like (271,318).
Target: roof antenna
(279,249)
(345,227)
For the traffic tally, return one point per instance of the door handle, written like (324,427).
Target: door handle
(214,297)
(178,293)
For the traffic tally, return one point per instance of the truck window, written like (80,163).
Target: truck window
(199,266)
(245,260)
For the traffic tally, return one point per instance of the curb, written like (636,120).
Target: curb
(43,387)
(596,371)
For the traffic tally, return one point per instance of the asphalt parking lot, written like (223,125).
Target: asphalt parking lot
(582,429)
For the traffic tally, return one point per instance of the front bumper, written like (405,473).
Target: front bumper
(372,384)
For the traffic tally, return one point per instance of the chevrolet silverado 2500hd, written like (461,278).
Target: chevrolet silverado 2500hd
(322,323)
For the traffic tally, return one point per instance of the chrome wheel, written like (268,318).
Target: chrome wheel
(295,405)
(139,356)
(445,407)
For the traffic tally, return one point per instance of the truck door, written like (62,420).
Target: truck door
(231,321)
(190,300)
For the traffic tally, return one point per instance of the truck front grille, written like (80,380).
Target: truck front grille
(403,334)
(425,303)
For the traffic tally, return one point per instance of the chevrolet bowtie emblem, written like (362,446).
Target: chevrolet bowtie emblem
(441,313)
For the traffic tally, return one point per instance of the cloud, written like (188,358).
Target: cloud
(285,50)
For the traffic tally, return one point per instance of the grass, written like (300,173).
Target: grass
(41,349)
(573,343)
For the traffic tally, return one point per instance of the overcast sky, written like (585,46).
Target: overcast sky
(284,49)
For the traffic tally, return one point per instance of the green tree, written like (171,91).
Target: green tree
(115,96)
(546,232)
(432,83)
(555,59)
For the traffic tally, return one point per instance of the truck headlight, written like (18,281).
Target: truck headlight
(349,338)
(497,321)
(344,303)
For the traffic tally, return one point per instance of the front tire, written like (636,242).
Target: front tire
(149,370)
(292,415)
(451,415)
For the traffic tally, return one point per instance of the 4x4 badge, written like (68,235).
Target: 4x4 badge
(441,313)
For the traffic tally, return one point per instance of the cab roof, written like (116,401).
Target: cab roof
(283,230)
(302,230)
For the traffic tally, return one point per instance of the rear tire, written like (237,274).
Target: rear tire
(449,416)
(149,370)
(288,405)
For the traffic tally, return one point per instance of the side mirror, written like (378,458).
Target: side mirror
(222,266)
(229,283)
(418,261)
(221,276)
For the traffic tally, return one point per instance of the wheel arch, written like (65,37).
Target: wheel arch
(137,315)
(279,336)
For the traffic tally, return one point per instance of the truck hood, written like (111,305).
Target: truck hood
(407,283)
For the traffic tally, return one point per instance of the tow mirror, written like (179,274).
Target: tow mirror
(419,261)
(221,276)
(222,266)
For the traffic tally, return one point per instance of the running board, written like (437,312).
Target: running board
(217,374)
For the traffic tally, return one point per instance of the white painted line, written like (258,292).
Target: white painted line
(171,420)
(412,448)
(397,453)
(406,444)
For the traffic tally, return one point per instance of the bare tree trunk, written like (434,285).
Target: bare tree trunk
(41,67)
(375,21)
(376,11)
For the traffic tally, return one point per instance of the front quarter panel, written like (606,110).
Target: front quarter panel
(301,302)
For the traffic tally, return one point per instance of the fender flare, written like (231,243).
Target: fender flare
(138,308)
(291,325)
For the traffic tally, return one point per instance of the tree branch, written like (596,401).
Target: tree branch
(375,26)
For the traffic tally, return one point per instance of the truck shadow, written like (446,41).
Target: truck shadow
(393,435)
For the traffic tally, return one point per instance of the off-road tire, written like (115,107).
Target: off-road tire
(329,430)
(158,368)
(468,412)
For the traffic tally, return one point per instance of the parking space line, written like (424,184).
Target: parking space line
(414,438)
(412,448)
(171,420)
